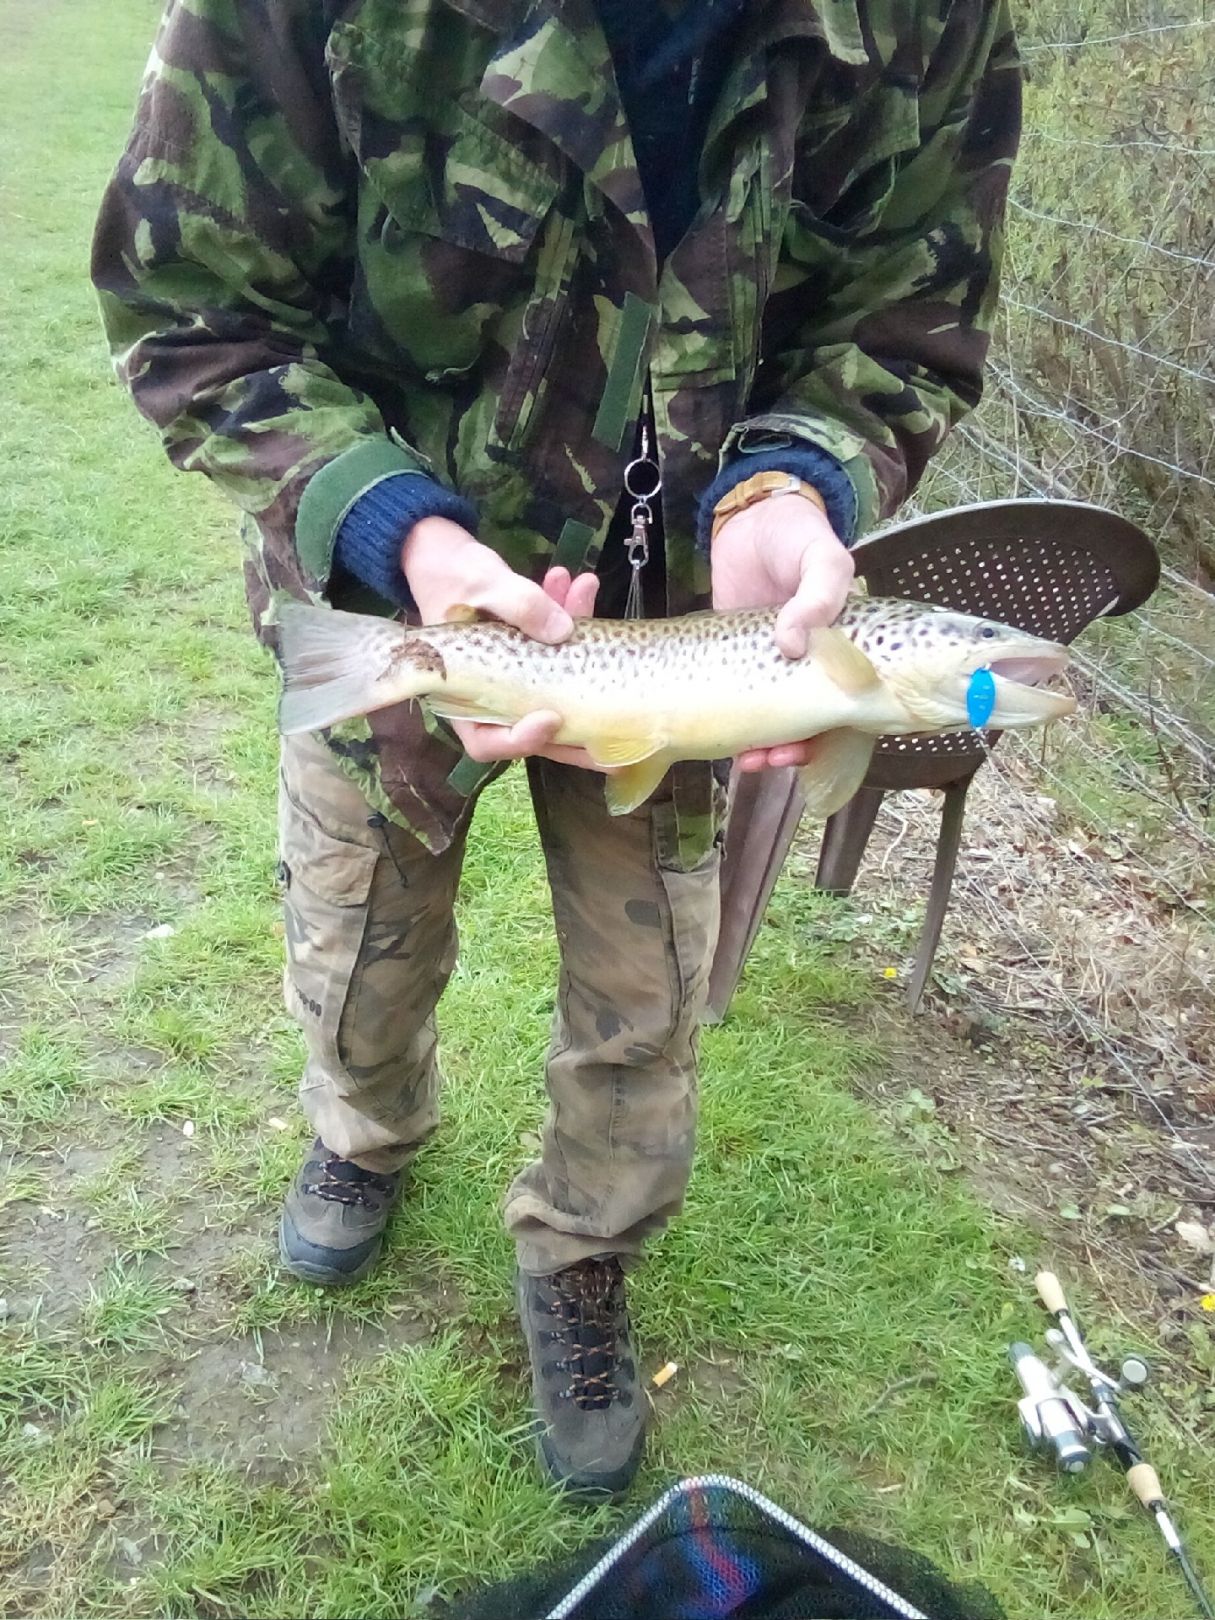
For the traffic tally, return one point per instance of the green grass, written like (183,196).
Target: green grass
(837,1300)
(126,1310)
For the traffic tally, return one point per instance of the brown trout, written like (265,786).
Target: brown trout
(640,694)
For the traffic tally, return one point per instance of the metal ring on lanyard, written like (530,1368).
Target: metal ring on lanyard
(643,461)
(640,517)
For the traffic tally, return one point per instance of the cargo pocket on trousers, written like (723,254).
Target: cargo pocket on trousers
(328,883)
(692,881)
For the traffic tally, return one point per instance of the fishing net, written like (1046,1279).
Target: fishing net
(711,1548)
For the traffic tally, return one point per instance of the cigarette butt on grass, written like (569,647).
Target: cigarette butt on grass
(665,1374)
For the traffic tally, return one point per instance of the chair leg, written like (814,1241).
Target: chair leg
(844,839)
(948,842)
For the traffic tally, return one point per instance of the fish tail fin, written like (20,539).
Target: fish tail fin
(841,759)
(338,665)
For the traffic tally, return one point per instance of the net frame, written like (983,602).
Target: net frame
(567,1608)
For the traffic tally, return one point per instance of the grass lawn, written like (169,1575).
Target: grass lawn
(185,1433)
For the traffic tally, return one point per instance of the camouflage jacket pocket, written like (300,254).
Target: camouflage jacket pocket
(444,173)
(847,162)
(463,256)
(333,867)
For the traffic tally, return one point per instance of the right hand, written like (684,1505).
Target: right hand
(444,566)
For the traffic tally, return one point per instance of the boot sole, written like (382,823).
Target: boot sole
(321,1275)
(603,1488)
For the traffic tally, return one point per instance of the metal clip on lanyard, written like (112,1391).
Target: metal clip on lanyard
(643,482)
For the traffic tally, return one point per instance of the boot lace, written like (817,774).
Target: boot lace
(341,1182)
(588,1305)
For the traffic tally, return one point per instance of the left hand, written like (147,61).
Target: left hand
(782,552)
(534,733)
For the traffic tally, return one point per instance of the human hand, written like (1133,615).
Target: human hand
(445,566)
(782,552)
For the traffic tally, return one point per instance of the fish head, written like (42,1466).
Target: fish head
(928,656)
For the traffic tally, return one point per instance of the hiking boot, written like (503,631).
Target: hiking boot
(590,1409)
(333,1222)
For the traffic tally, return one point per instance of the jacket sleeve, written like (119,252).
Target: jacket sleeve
(876,335)
(222,259)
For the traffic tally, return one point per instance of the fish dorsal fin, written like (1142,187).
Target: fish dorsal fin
(842,661)
(837,768)
(462,613)
(626,789)
(621,749)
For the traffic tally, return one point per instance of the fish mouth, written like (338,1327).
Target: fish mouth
(1032,668)
(1023,697)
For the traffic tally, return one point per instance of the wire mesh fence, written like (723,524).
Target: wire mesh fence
(1102,378)
(1090,873)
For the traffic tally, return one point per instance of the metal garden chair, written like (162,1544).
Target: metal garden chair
(1048,567)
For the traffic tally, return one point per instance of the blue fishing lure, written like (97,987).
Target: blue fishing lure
(980,698)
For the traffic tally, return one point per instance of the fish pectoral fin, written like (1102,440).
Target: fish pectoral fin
(625,789)
(619,750)
(454,708)
(841,759)
(842,661)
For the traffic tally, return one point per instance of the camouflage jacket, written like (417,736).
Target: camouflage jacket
(354,237)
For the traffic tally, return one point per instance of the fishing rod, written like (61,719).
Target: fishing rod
(1056,1420)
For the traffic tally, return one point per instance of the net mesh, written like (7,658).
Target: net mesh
(712,1548)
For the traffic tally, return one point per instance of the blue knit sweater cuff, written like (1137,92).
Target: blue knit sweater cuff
(369,537)
(805,461)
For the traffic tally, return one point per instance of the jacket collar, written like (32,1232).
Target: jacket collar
(836,22)
(551,67)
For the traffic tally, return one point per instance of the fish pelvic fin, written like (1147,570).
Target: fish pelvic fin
(841,759)
(619,750)
(337,665)
(842,661)
(625,789)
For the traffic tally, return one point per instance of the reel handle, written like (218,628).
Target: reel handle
(1050,1292)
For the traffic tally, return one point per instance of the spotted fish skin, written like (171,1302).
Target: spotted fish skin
(640,695)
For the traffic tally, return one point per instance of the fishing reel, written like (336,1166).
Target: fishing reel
(1055,1419)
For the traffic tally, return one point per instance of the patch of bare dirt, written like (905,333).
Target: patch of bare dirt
(1064,1057)
(261,1403)
(57,1250)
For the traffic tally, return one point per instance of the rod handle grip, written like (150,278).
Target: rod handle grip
(1050,1292)
(1143,1480)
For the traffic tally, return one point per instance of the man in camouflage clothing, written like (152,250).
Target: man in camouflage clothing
(393,271)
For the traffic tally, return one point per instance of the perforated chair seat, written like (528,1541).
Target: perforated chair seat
(1046,567)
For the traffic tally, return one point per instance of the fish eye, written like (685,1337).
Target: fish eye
(987,632)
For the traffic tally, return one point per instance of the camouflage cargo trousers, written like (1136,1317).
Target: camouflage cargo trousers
(371,943)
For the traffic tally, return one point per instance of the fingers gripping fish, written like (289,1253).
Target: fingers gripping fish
(639,695)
